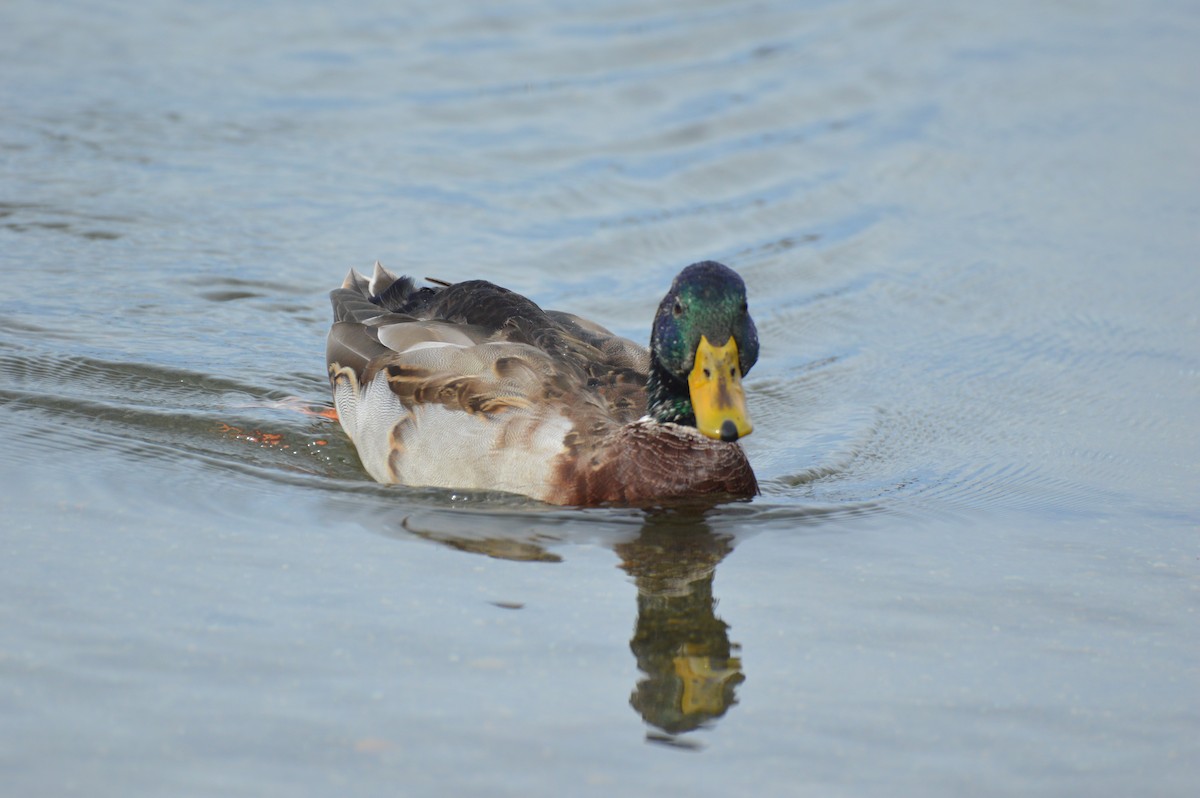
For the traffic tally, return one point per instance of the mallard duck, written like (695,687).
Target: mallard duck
(472,386)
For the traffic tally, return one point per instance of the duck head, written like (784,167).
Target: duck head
(701,346)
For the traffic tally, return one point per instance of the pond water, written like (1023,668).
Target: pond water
(970,237)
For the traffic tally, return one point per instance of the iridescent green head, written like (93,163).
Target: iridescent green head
(702,344)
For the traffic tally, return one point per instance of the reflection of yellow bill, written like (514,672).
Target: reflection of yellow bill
(704,683)
(718,399)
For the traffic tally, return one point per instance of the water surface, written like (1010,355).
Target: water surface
(969,237)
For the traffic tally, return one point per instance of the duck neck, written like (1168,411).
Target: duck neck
(667,400)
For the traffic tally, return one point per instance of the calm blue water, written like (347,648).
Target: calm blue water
(970,240)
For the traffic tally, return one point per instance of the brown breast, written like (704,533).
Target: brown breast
(645,462)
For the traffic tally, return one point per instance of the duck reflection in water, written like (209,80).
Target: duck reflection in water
(681,646)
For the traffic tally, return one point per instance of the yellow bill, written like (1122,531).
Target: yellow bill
(718,399)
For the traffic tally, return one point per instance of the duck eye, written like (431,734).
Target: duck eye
(678,308)
(744,308)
